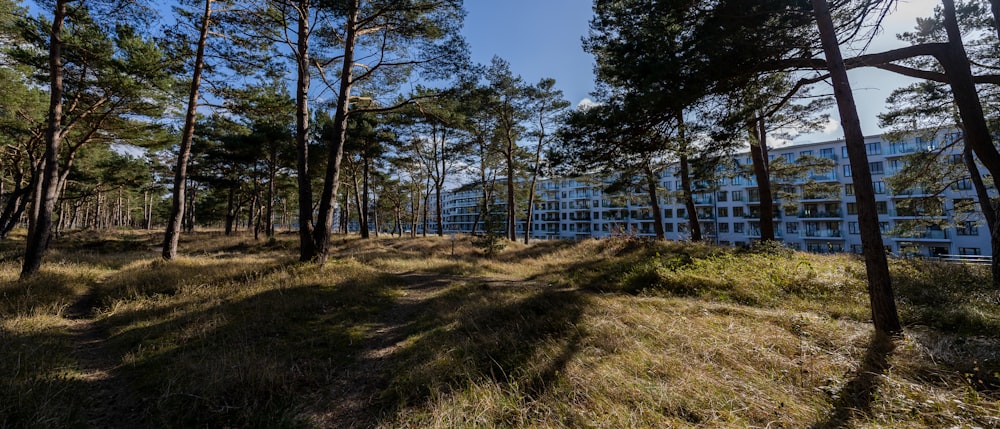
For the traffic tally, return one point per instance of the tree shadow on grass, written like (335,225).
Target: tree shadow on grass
(855,399)
(519,338)
(290,355)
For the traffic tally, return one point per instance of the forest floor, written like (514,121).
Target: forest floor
(427,332)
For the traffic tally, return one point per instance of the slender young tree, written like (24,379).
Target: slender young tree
(174,219)
(547,106)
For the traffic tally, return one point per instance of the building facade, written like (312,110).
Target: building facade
(728,208)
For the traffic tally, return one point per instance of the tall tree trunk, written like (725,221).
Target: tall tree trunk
(694,225)
(307,247)
(884,314)
(365,208)
(651,183)
(977,134)
(230,211)
(986,206)
(511,201)
(427,203)
(359,206)
(38,239)
(172,234)
(761,170)
(331,181)
(272,173)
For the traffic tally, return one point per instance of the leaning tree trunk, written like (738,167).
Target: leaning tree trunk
(884,314)
(986,205)
(38,240)
(970,109)
(173,232)
(758,154)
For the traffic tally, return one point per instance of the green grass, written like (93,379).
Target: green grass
(426,333)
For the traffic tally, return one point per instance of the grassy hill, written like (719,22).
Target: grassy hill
(426,333)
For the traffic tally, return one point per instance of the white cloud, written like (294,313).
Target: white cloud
(832,126)
(586,103)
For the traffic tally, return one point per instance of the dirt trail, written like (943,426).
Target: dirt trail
(360,384)
(108,403)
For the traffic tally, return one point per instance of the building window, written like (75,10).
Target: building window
(668,212)
(723,212)
(847,170)
(879,186)
(826,153)
(876,167)
(737,211)
(849,189)
(962,185)
(852,208)
(881,207)
(843,151)
(792,227)
(723,196)
(738,227)
(723,227)
(789,157)
(884,228)
(737,195)
(873,148)
(852,228)
(806,153)
(967,228)
(971,251)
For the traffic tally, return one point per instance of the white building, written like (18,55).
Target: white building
(577,208)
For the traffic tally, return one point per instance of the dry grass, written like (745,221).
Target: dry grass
(411,333)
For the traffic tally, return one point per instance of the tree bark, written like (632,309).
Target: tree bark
(986,206)
(364,207)
(331,181)
(694,226)
(172,234)
(761,170)
(38,240)
(651,184)
(884,314)
(307,248)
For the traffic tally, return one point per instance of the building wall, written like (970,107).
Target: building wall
(577,208)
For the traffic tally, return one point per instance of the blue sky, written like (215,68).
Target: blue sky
(541,38)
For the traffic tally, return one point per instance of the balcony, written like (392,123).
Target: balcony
(755,215)
(807,214)
(821,196)
(824,176)
(755,233)
(822,233)
(703,200)
(913,214)
(922,235)
(912,192)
